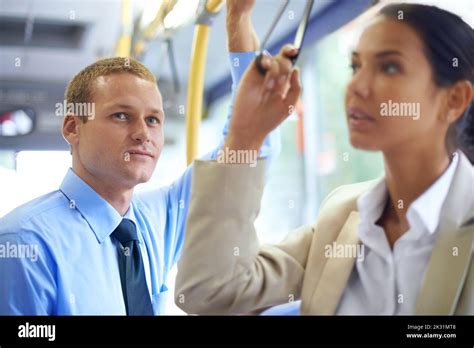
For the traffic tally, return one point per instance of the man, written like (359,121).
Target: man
(93,247)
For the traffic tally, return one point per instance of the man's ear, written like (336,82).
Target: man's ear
(71,125)
(459,98)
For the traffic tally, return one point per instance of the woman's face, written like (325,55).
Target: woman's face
(392,100)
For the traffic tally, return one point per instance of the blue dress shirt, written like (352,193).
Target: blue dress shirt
(56,253)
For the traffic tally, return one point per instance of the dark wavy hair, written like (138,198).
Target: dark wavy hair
(447,40)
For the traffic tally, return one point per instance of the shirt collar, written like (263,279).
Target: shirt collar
(99,214)
(371,203)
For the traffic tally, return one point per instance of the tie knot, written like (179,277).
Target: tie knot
(125,232)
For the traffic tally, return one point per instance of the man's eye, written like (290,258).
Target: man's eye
(390,68)
(153,119)
(120,116)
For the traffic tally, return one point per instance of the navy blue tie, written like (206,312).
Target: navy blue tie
(132,271)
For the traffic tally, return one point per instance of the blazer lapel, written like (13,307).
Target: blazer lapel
(451,256)
(446,274)
(337,270)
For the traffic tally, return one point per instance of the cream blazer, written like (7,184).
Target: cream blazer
(224,269)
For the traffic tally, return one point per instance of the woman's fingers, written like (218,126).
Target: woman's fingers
(289,51)
(295,89)
(272,74)
(281,85)
(262,103)
(286,67)
(279,69)
(276,76)
(288,102)
(266,61)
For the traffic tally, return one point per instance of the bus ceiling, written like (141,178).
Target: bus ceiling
(44,45)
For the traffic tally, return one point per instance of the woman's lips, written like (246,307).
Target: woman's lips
(359,119)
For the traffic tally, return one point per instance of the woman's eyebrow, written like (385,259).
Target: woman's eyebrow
(388,53)
(381,54)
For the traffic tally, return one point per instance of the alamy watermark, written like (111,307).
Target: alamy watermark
(77,109)
(336,250)
(28,330)
(229,156)
(400,109)
(20,251)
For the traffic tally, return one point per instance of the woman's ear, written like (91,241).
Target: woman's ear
(459,98)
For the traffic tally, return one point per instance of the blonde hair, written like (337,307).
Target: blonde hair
(80,88)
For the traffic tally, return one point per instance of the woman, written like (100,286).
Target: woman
(398,245)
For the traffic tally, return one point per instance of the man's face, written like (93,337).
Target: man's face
(123,142)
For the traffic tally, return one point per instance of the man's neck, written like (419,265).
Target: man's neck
(117,197)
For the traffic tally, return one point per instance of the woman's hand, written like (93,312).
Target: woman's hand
(263,102)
